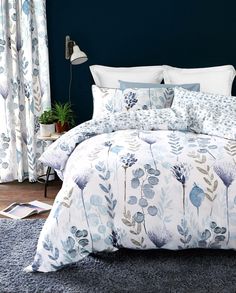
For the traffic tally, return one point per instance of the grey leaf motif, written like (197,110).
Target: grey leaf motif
(138,173)
(135,183)
(143,202)
(132,200)
(70,242)
(180,230)
(104,188)
(206,234)
(139,217)
(83,242)
(72,253)
(149,193)
(153,180)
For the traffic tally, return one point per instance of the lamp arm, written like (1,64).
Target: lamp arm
(70,83)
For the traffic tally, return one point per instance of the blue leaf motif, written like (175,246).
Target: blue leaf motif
(103,210)
(95,237)
(196,196)
(26,7)
(152,210)
(93,219)
(143,202)
(102,229)
(37,262)
(95,200)
(139,217)
(116,149)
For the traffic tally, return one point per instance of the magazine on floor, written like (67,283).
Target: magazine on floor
(22,210)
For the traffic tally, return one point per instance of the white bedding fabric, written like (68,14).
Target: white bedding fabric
(139,180)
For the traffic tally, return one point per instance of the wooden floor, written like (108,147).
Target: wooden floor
(25,191)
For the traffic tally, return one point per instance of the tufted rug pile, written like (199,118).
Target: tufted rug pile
(122,271)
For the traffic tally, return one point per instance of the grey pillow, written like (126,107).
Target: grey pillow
(127,84)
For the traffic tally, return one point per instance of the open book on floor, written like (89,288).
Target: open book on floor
(22,210)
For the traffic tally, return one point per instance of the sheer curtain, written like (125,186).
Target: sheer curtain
(24,86)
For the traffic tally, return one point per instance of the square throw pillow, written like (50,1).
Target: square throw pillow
(108,100)
(109,77)
(126,84)
(208,113)
(216,80)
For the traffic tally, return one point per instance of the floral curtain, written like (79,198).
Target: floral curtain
(24,86)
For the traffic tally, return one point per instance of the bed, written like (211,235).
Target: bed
(146,179)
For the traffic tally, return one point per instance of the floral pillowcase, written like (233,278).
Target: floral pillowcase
(207,113)
(107,100)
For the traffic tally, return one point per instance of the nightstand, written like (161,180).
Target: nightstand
(51,138)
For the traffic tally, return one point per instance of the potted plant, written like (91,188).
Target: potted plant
(47,125)
(64,116)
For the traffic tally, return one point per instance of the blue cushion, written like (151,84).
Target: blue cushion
(127,84)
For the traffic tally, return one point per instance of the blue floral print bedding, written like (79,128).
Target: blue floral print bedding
(138,180)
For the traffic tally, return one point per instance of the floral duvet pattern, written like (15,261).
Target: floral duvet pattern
(149,188)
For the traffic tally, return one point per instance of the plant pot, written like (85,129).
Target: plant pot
(47,129)
(61,128)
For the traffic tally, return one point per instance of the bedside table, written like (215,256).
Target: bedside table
(51,138)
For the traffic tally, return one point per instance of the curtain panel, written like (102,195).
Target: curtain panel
(24,87)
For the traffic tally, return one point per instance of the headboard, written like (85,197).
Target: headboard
(182,34)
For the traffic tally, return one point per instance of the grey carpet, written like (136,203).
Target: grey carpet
(122,271)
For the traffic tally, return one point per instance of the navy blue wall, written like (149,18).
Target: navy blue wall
(128,33)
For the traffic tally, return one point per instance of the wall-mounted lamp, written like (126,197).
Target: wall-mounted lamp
(76,56)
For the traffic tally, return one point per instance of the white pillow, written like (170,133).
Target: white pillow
(215,80)
(109,76)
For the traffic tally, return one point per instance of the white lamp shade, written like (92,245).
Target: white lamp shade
(78,56)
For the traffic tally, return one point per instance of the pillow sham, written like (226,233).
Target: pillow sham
(216,80)
(208,113)
(109,100)
(109,77)
(127,84)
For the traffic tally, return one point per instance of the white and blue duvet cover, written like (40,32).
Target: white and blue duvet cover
(138,180)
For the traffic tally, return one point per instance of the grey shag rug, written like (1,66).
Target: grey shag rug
(122,271)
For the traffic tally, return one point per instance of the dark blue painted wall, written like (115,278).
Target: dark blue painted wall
(130,33)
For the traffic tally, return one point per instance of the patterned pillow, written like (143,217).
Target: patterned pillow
(208,113)
(107,100)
